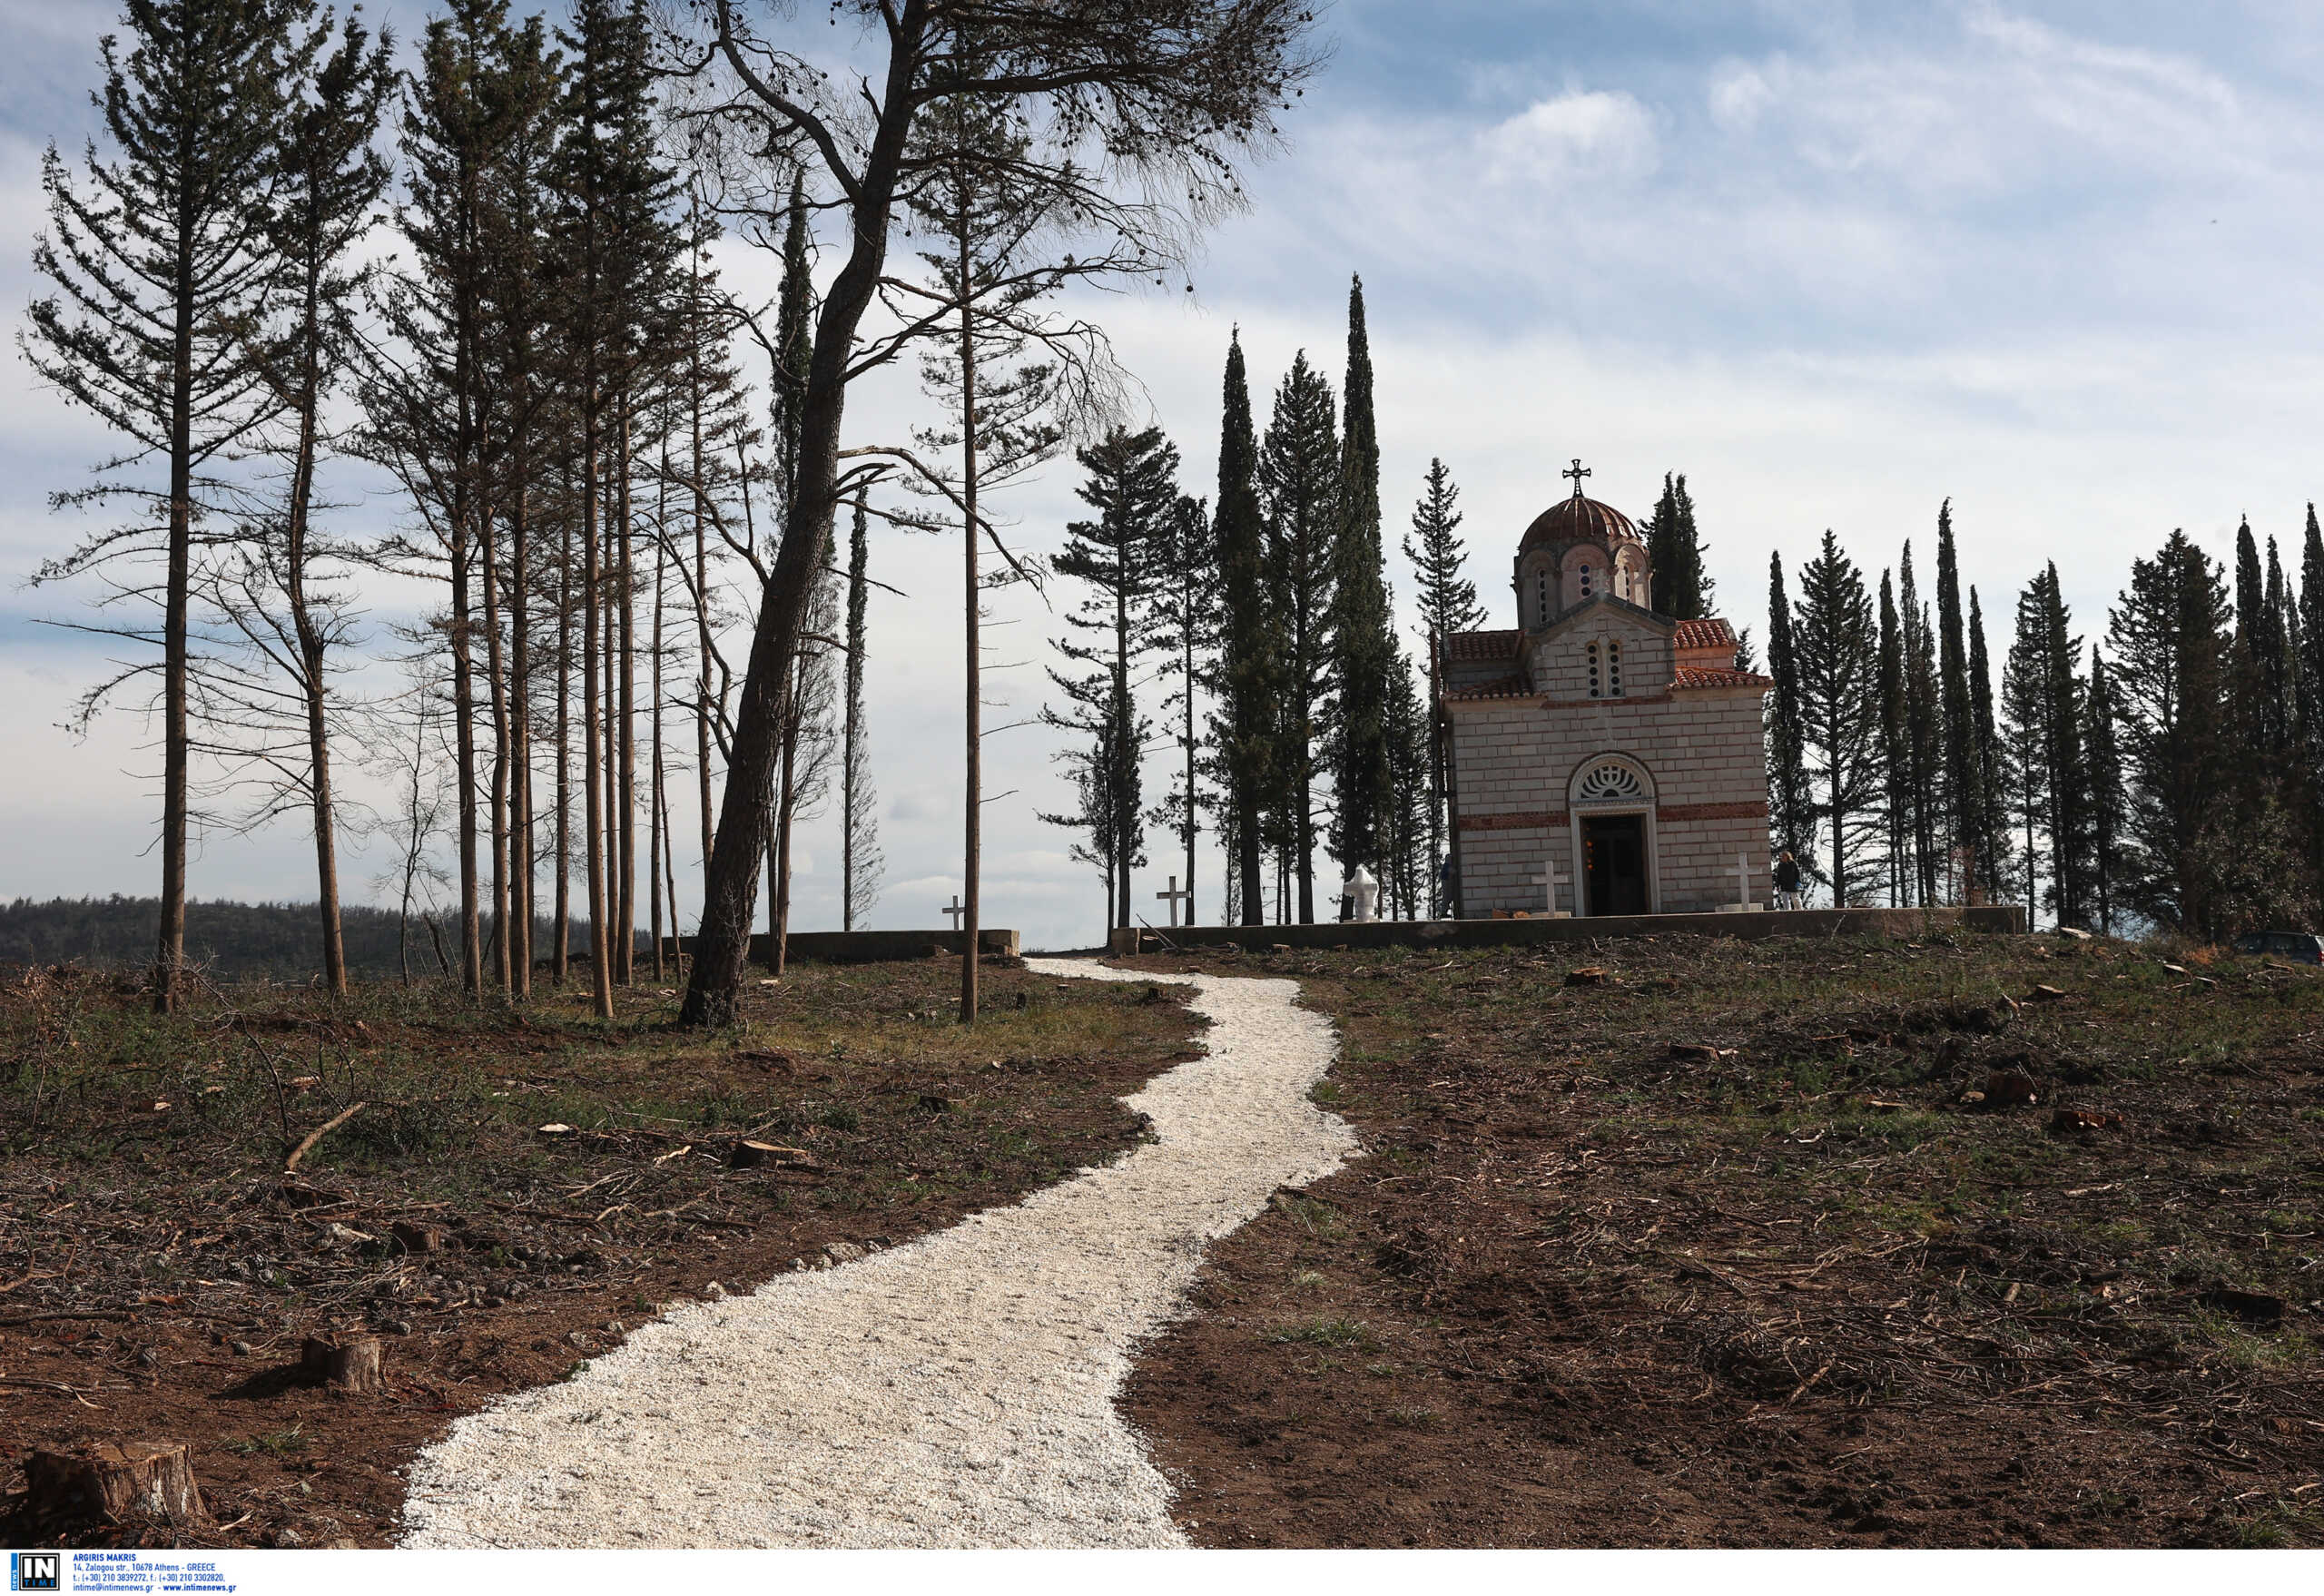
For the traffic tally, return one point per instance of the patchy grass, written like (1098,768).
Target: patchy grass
(1753,1244)
(554,1178)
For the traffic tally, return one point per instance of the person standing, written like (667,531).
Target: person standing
(1786,878)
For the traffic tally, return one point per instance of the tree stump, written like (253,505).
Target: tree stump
(415,1237)
(345,1363)
(114,1482)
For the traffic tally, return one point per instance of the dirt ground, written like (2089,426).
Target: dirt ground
(1678,1242)
(519,1188)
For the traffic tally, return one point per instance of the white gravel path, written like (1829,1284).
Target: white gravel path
(956,1391)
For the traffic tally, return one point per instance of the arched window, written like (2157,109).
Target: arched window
(1613,670)
(1541,596)
(1589,652)
(1585,581)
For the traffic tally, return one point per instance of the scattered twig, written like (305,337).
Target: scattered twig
(320,1131)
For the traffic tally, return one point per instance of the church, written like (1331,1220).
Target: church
(1602,759)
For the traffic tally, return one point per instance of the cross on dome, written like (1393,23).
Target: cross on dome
(1578,471)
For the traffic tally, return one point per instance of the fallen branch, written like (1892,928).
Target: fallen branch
(316,1135)
(82,1314)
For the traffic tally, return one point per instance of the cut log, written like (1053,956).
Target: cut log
(346,1363)
(114,1482)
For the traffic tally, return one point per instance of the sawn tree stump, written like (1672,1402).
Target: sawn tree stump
(114,1482)
(348,1363)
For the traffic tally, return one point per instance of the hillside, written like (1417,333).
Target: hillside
(1748,1244)
(232,941)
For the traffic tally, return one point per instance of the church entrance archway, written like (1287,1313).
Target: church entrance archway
(1613,864)
(1611,800)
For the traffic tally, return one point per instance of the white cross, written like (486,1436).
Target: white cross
(1743,879)
(1549,880)
(955,909)
(1174,894)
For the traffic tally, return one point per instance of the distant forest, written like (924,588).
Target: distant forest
(229,939)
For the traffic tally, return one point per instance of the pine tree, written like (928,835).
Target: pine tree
(1836,642)
(861,862)
(1299,478)
(1792,814)
(1963,781)
(1249,661)
(161,262)
(1133,485)
(1895,750)
(1448,604)
(2026,764)
(2168,638)
(998,392)
(278,593)
(1362,633)
(1674,550)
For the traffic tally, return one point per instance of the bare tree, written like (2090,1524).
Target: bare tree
(1128,103)
(160,261)
(274,591)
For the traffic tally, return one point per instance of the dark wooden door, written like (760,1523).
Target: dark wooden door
(1613,852)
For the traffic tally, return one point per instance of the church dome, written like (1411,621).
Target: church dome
(1579,520)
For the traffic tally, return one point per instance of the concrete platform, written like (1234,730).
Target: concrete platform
(871,947)
(2008,918)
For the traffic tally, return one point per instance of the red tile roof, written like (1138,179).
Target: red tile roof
(1480,647)
(1709,634)
(1687,676)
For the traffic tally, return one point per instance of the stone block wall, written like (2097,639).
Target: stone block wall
(1514,758)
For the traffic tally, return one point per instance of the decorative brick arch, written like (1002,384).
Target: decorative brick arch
(1609,781)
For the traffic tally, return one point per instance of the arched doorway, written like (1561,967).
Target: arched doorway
(1610,801)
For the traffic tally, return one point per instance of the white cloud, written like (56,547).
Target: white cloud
(1579,136)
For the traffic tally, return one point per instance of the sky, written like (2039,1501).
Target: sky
(1834,262)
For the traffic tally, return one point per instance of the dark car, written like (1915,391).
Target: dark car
(2297,946)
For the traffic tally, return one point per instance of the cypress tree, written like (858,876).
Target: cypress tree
(1298,477)
(2246,681)
(2069,776)
(860,863)
(2106,798)
(1362,633)
(160,260)
(1836,642)
(2309,640)
(1923,733)
(1988,840)
(2278,666)
(1186,611)
(1962,781)
(1248,663)
(1675,553)
(1895,750)
(1791,812)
